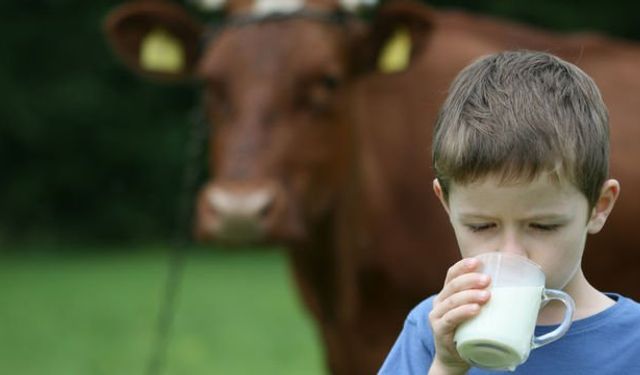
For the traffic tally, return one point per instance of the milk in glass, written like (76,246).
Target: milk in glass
(500,336)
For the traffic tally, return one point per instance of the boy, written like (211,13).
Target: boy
(520,152)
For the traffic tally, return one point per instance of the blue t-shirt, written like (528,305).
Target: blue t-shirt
(607,343)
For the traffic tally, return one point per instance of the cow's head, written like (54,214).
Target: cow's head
(278,84)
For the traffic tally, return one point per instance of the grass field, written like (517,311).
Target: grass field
(237,313)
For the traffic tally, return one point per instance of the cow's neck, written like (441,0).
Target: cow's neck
(361,253)
(399,215)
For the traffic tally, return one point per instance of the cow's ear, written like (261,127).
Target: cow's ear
(157,39)
(394,39)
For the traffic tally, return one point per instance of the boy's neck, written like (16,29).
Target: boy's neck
(589,301)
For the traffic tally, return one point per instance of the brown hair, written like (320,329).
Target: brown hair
(517,114)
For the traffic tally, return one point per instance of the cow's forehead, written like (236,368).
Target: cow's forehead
(267,7)
(295,46)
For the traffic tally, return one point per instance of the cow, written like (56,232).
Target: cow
(322,123)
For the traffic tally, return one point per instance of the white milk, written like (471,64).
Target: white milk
(500,336)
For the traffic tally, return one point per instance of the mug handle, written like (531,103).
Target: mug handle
(570,306)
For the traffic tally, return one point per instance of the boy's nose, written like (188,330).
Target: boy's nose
(513,245)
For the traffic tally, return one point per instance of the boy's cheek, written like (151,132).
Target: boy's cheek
(560,266)
(470,247)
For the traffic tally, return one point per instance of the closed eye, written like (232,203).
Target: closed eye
(545,228)
(479,227)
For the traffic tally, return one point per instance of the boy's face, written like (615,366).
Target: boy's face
(544,220)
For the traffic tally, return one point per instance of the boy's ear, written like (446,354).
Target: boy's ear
(608,195)
(440,194)
(393,40)
(157,39)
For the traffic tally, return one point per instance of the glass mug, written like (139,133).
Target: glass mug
(501,336)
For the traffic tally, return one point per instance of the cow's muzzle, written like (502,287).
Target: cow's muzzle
(238,213)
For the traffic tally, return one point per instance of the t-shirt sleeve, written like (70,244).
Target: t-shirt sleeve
(413,351)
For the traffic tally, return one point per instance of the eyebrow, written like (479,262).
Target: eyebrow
(545,216)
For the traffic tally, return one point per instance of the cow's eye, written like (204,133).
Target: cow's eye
(218,95)
(317,94)
(330,81)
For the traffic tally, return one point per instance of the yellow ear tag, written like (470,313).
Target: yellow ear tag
(161,52)
(396,53)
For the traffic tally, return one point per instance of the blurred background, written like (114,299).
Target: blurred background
(91,161)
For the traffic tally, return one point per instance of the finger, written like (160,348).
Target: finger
(461,267)
(465,297)
(447,324)
(465,281)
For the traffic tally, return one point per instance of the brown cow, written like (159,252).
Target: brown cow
(317,149)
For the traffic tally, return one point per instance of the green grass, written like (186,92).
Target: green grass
(237,313)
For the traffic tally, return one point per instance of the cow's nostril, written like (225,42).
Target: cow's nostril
(264,212)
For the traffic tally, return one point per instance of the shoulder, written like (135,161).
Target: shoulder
(618,337)
(621,318)
(624,312)
(414,348)
(624,303)
(626,306)
(417,322)
(420,313)
(611,336)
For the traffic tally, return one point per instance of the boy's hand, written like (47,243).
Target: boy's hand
(461,298)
